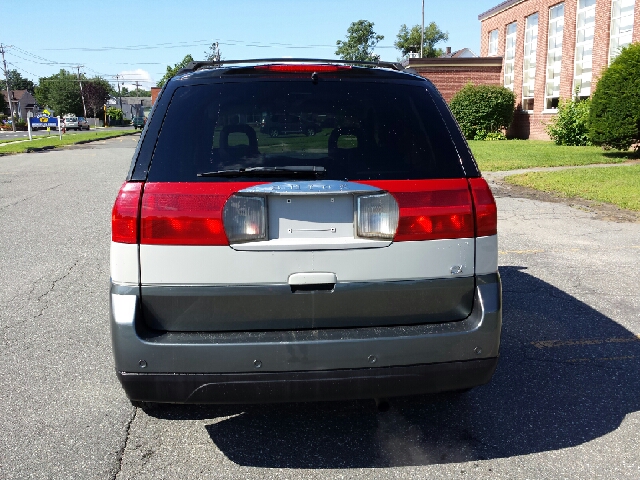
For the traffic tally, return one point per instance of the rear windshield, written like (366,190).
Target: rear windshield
(354,131)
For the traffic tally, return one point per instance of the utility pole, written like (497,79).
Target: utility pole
(422,32)
(6,77)
(217,59)
(84,108)
(119,96)
(137,86)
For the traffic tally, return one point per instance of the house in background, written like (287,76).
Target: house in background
(547,50)
(131,106)
(24,104)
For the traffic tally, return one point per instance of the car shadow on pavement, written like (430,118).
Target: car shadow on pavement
(567,375)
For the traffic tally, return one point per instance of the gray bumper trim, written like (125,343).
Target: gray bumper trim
(140,350)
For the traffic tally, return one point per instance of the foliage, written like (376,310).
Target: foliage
(96,94)
(489,136)
(115,113)
(360,42)
(125,92)
(516,154)
(569,127)
(172,71)
(60,92)
(617,185)
(213,54)
(483,109)
(614,119)
(17,82)
(4,105)
(409,40)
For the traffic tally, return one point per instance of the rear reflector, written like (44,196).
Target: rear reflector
(124,215)
(431,209)
(302,68)
(485,205)
(185,213)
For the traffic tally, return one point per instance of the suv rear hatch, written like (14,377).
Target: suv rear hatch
(370,222)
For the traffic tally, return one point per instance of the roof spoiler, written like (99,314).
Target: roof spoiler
(197,65)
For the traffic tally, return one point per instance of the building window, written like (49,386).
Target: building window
(510,54)
(554,56)
(493,42)
(585,29)
(621,26)
(529,67)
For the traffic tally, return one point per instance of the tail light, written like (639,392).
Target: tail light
(244,219)
(485,206)
(124,215)
(377,216)
(185,213)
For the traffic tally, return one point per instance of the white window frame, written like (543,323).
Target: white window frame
(493,43)
(554,57)
(621,30)
(529,62)
(510,54)
(583,58)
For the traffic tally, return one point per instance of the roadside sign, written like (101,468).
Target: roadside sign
(44,120)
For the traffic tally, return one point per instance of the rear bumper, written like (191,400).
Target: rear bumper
(314,364)
(307,386)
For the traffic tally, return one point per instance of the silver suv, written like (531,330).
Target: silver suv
(360,262)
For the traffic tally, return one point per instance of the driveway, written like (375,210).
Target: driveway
(564,402)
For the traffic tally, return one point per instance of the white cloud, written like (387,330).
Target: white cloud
(129,77)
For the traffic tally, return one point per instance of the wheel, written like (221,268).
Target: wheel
(310,132)
(274,132)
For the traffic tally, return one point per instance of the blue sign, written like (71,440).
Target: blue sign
(43,121)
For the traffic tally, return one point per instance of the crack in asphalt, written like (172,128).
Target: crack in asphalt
(53,286)
(123,448)
(32,196)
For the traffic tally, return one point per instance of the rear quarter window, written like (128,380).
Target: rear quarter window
(355,130)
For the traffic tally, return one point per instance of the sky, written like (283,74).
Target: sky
(137,40)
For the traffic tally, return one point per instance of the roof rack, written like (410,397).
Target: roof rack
(197,65)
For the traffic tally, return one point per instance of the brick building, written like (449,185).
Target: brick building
(550,49)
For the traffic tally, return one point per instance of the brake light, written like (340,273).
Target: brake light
(377,216)
(245,219)
(124,215)
(486,212)
(185,213)
(431,209)
(302,68)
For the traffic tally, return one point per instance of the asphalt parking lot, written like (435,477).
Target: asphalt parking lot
(564,402)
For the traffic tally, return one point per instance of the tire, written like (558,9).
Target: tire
(273,133)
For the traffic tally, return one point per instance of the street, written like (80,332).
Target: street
(564,402)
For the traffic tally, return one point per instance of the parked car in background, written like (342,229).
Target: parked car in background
(138,122)
(284,124)
(83,124)
(70,122)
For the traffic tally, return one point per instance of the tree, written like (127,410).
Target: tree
(570,125)
(360,42)
(614,118)
(3,103)
(96,93)
(409,40)
(482,111)
(172,71)
(213,54)
(17,82)
(60,92)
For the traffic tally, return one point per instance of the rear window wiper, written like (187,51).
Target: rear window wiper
(302,170)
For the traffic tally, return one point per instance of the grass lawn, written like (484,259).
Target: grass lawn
(617,185)
(20,146)
(515,154)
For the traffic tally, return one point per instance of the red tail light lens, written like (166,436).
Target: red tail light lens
(185,213)
(431,209)
(485,205)
(302,68)
(124,215)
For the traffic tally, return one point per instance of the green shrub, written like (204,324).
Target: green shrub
(570,126)
(115,113)
(483,109)
(614,120)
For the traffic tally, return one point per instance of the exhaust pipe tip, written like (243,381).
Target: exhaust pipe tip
(382,404)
